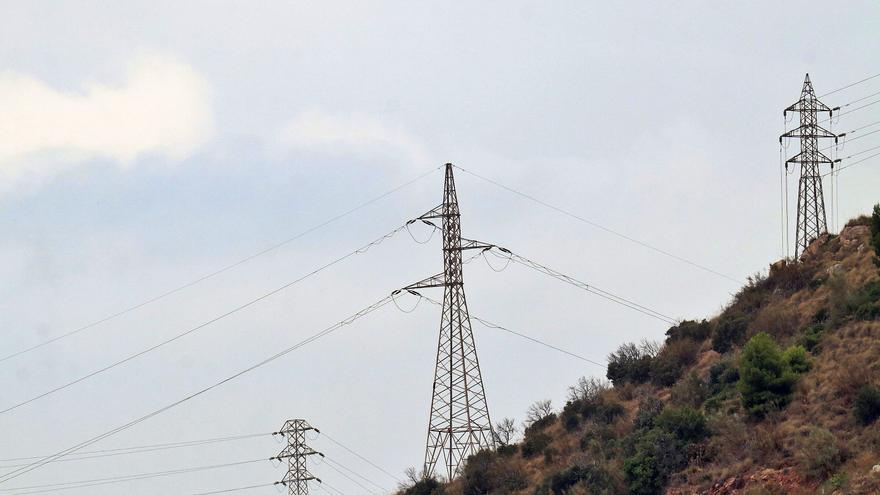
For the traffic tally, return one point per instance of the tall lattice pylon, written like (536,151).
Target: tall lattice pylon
(298,476)
(459,423)
(811,220)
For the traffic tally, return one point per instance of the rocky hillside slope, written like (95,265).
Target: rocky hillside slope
(780,393)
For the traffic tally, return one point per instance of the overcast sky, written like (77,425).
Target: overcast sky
(143,146)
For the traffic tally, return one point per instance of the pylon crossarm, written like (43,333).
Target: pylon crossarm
(472,244)
(809,131)
(438,280)
(800,158)
(436,212)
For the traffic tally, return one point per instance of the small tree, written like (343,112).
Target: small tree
(587,389)
(538,411)
(505,431)
(630,364)
(766,380)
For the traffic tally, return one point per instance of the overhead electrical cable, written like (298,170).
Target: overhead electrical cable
(93,454)
(853,163)
(361,250)
(359,456)
(239,489)
(522,260)
(51,487)
(599,226)
(349,478)
(62,453)
(495,326)
(223,269)
(849,85)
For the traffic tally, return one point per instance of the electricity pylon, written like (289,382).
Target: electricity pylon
(298,476)
(811,220)
(459,423)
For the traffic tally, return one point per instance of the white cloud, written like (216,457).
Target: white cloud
(354,133)
(161,106)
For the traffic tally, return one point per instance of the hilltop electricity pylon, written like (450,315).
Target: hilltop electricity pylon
(298,476)
(459,422)
(811,220)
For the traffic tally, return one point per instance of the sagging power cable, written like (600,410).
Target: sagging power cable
(91,441)
(219,271)
(360,250)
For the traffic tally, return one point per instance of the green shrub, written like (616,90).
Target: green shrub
(812,337)
(540,424)
(766,380)
(658,454)
(867,404)
(629,364)
(689,329)
(685,423)
(729,331)
(820,455)
(722,375)
(569,418)
(796,357)
(507,450)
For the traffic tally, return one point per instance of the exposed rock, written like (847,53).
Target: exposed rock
(876,469)
(814,246)
(854,234)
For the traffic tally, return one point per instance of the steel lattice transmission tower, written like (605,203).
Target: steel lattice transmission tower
(298,476)
(811,220)
(459,422)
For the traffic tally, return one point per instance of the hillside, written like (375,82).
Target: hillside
(780,393)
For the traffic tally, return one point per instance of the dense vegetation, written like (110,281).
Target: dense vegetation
(784,382)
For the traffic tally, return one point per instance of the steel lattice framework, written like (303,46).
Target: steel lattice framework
(459,422)
(298,476)
(811,220)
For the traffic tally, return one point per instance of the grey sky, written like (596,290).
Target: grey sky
(146,145)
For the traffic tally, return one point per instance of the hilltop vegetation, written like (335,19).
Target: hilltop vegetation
(780,393)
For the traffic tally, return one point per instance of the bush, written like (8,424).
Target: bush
(672,360)
(629,364)
(646,416)
(427,486)
(689,329)
(766,380)
(867,404)
(602,411)
(797,360)
(685,423)
(722,376)
(596,477)
(812,337)
(820,456)
(691,391)
(483,474)
(730,331)
(534,444)
(658,454)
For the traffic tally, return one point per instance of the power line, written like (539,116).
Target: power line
(349,478)
(359,456)
(489,324)
(598,226)
(223,269)
(361,250)
(522,260)
(23,490)
(62,453)
(849,85)
(854,163)
(239,489)
(92,454)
